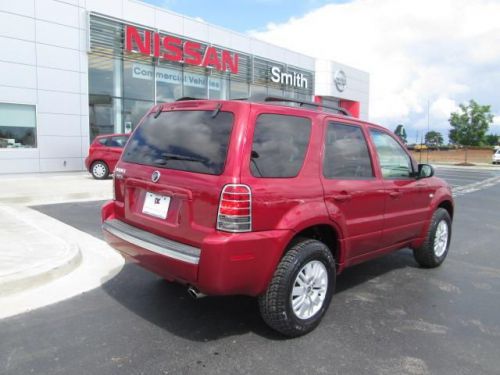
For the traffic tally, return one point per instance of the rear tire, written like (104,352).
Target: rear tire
(437,242)
(99,170)
(301,289)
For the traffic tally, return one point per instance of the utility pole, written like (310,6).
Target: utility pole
(428,126)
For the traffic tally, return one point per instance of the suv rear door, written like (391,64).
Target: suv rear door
(354,195)
(178,161)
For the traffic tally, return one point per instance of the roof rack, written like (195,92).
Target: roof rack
(305,102)
(264,98)
(188,98)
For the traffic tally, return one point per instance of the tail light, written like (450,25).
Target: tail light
(235,209)
(119,184)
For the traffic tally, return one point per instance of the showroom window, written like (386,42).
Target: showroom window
(17,126)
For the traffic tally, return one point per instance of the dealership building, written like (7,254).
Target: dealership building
(75,69)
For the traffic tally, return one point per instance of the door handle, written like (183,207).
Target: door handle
(395,194)
(342,197)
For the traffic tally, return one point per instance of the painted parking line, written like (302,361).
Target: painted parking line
(476,186)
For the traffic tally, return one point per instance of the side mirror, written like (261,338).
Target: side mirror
(425,171)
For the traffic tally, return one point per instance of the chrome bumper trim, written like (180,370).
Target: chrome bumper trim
(152,242)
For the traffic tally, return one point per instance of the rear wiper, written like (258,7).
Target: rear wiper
(165,157)
(216,110)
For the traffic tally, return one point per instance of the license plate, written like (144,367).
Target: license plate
(156,205)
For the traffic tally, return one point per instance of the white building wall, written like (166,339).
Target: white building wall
(40,59)
(44,62)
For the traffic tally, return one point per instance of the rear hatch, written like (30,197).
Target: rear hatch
(175,165)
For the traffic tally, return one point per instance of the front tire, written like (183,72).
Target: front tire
(301,289)
(99,170)
(437,242)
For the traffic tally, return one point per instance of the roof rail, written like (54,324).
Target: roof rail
(305,102)
(188,98)
(264,98)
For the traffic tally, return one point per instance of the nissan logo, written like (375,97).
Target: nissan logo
(155,176)
(340,80)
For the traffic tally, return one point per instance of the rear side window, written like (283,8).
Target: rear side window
(346,153)
(192,141)
(394,161)
(279,145)
(118,141)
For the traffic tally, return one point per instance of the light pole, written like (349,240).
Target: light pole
(428,126)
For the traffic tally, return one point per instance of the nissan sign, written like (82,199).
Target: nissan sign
(340,80)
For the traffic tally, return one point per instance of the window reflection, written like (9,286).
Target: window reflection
(279,145)
(192,141)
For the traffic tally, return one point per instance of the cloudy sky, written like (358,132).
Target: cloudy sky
(441,52)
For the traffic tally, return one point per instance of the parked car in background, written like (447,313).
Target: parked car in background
(104,153)
(271,201)
(496,157)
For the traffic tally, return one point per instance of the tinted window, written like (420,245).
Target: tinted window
(279,145)
(116,141)
(346,153)
(192,141)
(394,161)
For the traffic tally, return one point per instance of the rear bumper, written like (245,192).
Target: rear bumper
(223,264)
(151,242)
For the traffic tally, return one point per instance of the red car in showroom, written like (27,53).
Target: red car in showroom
(104,153)
(272,201)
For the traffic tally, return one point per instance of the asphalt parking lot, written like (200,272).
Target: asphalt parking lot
(388,316)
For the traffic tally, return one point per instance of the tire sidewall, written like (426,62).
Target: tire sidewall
(314,251)
(104,165)
(440,215)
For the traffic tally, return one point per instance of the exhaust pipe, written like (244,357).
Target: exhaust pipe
(195,293)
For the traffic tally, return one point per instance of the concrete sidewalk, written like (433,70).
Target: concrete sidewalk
(29,255)
(36,251)
(47,188)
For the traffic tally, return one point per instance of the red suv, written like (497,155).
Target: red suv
(269,200)
(104,153)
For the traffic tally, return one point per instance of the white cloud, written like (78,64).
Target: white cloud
(442,107)
(442,51)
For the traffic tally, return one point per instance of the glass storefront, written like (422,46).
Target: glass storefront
(123,85)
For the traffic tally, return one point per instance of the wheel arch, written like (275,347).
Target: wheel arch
(324,232)
(448,206)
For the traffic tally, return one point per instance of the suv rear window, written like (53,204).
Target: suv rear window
(279,145)
(192,141)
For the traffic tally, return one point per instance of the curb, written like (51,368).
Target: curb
(56,199)
(41,274)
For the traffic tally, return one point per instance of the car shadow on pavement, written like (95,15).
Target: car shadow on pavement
(168,305)
(362,273)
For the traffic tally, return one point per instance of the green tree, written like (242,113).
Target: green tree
(469,124)
(452,137)
(434,138)
(492,139)
(401,133)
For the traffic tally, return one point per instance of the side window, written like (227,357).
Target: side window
(346,153)
(279,145)
(118,141)
(394,161)
(103,141)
